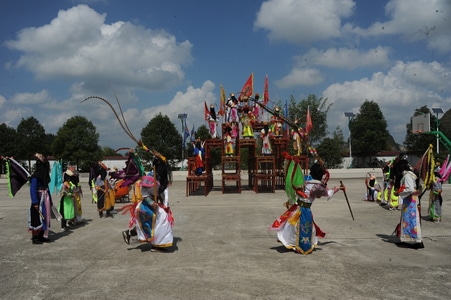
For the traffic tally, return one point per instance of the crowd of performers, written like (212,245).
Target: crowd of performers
(240,116)
(151,219)
(402,191)
(387,197)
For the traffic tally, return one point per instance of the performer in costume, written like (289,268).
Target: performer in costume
(370,184)
(409,228)
(41,201)
(165,220)
(265,135)
(152,218)
(232,109)
(163,175)
(247,119)
(276,123)
(435,198)
(105,194)
(70,204)
(296,228)
(212,121)
(132,224)
(199,154)
(228,140)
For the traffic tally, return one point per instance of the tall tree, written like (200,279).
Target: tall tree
(31,139)
(160,134)
(318,110)
(369,133)
(331,149)
(49,138)
(418,143)
(77,142)
(9,140)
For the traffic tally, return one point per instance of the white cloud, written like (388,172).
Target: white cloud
(191,102)
(303,21)
(345,58)
(427,20)
(300,77)
(30,98)
(397,94)
(78,44)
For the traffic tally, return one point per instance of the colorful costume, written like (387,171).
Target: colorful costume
(105,193)
(199,154)
(409,228)
(229,149)
(151,217)
(247,119)
(296,228)
(70,204)
(265,135)
(153,220)
(41,201)
(212,121)
(435,200)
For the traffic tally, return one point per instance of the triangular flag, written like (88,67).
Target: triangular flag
(248,87)
(16,175)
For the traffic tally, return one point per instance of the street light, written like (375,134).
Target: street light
(350,115)
(436,111)
(182,118)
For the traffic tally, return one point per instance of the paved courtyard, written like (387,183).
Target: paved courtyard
(224,250)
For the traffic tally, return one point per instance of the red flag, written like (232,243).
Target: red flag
(222,98)
(206,111)
(266,92)
(248,87)
(308,122)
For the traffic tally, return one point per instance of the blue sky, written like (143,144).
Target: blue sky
(170,56)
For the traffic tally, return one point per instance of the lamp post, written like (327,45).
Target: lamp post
(436,111)
(350,115)
(182,118)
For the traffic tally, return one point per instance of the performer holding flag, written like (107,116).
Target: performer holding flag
(296,228)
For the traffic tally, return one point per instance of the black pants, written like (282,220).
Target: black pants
(100,201)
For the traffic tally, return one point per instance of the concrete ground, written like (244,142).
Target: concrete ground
(224,250)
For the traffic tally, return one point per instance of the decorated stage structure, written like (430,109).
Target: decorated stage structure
(246,123)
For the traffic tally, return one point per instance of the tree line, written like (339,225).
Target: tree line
(77,140)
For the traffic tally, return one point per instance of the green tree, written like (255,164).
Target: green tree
(77,142)
(31,139)
(160,134)
(369,133)
(9,140)
(108,151)
(418,143)
(48,141)
(331,149)
(318,111)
